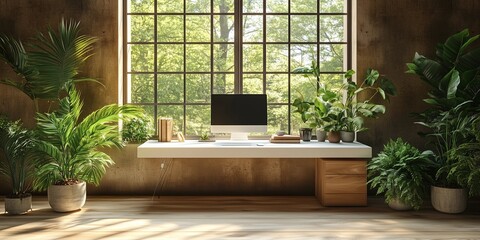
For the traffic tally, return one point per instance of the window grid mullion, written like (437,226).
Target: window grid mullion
(184,66)
(289,93)
(155,65)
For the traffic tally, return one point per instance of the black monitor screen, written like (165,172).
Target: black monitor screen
(239,109)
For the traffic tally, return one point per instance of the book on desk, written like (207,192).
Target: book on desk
(285,139)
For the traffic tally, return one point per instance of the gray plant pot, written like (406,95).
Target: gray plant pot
(347,136)
(18,206)
(398,205)
(306,134)
(67,198)
(449,200)
(321,135)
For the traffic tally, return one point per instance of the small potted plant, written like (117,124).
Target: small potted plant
(138,129)
(303,108)
(16,165)
(402,173)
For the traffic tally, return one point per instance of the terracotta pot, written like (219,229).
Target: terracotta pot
(321,135)
(306,134)
(449,200)
(17,206)
(347,136)
(333,137)
(67,198)
(398,205)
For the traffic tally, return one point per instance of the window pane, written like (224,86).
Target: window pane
(141,57)
(223,57)
(223,83)
(198,29)
(302,85)
(331,57)
(198,6)
(277,6)
(198,58)
(198,88)
(170,6)
(170,29)
(277,58)
(140,6)
(303,28)
(253,6)
(141,88)
(252,58)
(302,55)
(277,117)
(170,57)
(333,81)
(223,27)
(172,111)
(141,28)
(170,88)
(332,28)
(333,6)
(253,29)
(223,6)
(277,28)
(277,88)
(304,6)
(198,119)
(252,83)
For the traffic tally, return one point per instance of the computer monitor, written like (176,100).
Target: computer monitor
(238,114)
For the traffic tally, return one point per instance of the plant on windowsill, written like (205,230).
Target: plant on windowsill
(138,129)
(16,165)
(66,150)
(402,173)
(454,78)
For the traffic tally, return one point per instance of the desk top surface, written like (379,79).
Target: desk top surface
(252,149)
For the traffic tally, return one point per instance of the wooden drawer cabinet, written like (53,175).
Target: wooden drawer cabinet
(341,182)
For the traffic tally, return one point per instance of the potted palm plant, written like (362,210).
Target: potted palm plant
(454,79)
(402,173)
(67,149)
(16,165)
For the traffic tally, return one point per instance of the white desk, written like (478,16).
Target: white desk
(340,168)
(252,149)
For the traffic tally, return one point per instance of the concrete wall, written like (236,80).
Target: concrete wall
(389,33)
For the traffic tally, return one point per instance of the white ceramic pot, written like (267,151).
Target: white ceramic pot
(17,206)
(449,200)
(347,136)
(398,205)
(321,135)
(67,198)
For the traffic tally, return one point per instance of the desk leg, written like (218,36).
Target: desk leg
(165,171)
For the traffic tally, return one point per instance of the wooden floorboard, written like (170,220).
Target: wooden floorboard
(235,217)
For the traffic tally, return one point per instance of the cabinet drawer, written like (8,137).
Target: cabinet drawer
(345,184)
(333,167)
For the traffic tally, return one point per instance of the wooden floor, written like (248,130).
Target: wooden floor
(234,218)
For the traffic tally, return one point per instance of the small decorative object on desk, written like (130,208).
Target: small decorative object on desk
(280,133)
(205,137)
(180,137)
(165,126)
(285,139)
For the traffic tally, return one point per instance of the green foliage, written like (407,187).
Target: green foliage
(138,129)
(454,77)
(52,65)
(402,172)
(68,148)
(15,161)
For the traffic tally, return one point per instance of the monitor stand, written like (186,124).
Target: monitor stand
(239,136)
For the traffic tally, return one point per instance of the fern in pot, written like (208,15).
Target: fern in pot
(402,173)
(67,149)
(16,164)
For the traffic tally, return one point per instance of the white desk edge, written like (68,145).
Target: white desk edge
(257,149)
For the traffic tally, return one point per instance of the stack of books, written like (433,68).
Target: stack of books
(285,139)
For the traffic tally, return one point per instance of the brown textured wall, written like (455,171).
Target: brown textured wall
(389,33)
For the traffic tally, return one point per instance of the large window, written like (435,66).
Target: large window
(178,52)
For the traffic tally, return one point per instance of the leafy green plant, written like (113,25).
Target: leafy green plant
(205,136)
(67,150)
(138,129)
(15,162)
(402,172)
(53,63)
(374,84)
